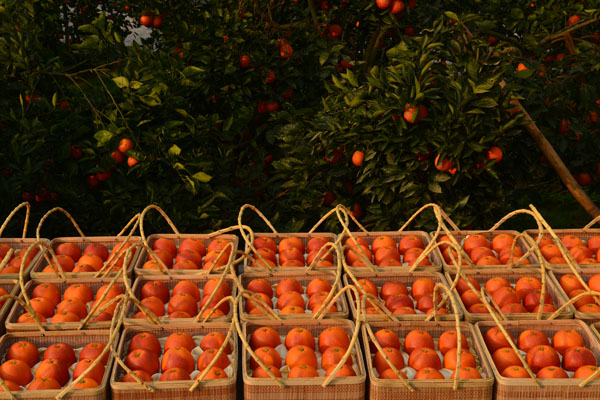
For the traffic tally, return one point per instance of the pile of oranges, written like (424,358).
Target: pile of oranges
(71,305)
(289,297)
(180,357)
(192,254)
(58,365)
(291,252)
(184,300)
(299,353)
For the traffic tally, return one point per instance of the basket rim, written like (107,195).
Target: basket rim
(100,390)
(553,283)
(359,379)
(14,327)
(129,321)
(527,382)
(342,314)
(165,385)
(404,317)
(444,383)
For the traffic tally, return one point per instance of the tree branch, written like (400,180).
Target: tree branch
(569,29)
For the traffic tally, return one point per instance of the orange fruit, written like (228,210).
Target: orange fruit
(53,368)
(428,373)
(448,340)
(417,338)
(44,384)
(303,371)
(92,351)
(467,373)
(187,287)
(333,336)
(515,371)
(145,340)
(16,371)
(268,355)
(299,336)
(422,287)
(214,340)
(264,336)
(393,354)
(424,357)
(183,302)
(97,372)
(505,357)
(301,355)
(542,356)
(143,359)
(288,285)
(24,351)
(332,356)
(473,241)
(466,359)
(261,373)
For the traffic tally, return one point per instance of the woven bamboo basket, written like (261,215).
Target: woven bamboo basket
(512,276)
(406,278)
(526,389)
(178,238)
(12,287)
(304,279)
(584,234)
(460,236)
(208,390)
(392,389)
(76,339)
(343,388)
(170,282)
(110,242)
(435,256)
(22,245)
(13,326)
(18,245)
(278,237)
(585,274)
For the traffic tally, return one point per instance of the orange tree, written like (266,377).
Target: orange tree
(229,102)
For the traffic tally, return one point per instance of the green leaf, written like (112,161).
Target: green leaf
(485,102)
(451,15)
(121,82)
(202,177)
(103,137)
(525,74)
(441,177)
(323,57)
(434,187)
(174,150)
(145,121)
(54,98)
(135,85)
(192,71)
(179,166)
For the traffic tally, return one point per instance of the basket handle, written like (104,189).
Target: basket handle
(203,373)
(212,295)
(334,210)
(532,248)
(66,213)
(571,301)
(114,334)
(571,262)
(440,215)
(6,258)
(493,308)
(343,214)
(508,216)
(248,294)
(236,321)
(212,310)
(353,340)
(585,228)
(27,308)
(323,252)
(514,347)
(145,310)
(119,252)
(213,267)
(441,286)
(25,224)
(374,340)
(249,239)
(328,302)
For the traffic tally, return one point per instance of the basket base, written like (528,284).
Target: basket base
(304,392)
